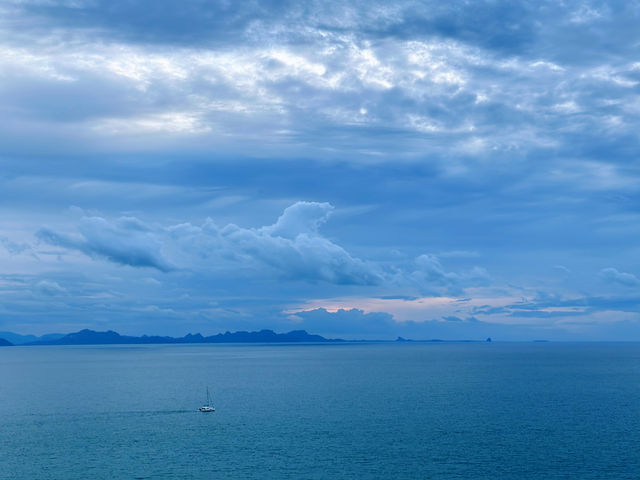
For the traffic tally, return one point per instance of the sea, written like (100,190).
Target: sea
(326,411)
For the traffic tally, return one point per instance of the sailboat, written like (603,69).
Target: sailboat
(207,406)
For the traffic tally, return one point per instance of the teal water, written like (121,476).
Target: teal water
(370,411)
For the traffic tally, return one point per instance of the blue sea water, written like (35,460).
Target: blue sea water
(349,411)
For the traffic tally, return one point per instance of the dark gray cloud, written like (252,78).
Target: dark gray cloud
(426,75)
(126,241)
(192,22)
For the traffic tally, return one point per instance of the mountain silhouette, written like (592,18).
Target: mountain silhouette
(91,337)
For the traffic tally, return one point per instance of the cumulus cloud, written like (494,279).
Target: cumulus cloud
(305,256)
(291,248)
(300,218)
(612,275)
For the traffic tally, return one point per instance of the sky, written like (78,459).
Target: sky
(360,169)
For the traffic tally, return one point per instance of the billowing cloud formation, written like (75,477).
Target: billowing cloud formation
(292,247)
(300,218)
(305,256)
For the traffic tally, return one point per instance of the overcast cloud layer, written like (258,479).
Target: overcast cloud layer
(360,169)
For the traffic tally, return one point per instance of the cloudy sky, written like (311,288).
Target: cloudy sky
(361,169)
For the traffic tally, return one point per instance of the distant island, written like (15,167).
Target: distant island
(91,337)
(437,340)
(17,339)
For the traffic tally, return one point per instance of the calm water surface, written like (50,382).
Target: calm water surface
(370,411)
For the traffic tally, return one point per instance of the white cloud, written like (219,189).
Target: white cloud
(291,248)
(300,218)
(168,122)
